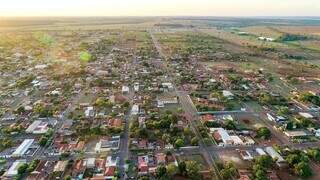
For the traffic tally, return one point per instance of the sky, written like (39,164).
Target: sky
(159,8)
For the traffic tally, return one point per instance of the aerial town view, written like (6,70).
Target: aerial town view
(166,96)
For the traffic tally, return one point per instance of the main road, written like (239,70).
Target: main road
(188,107)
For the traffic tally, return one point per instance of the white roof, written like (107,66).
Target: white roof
(306,115)
(223,133)
(24,146)
(274,154)
(135,109)
(236,140)
(33,126)
(260,151)
(125,89)
(112,161)
(226,93)
(13,170)
(295,133)
(90,162)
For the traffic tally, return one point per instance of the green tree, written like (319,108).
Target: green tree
(22,168)
(179,143)
(303,169)
(193,168)
(265,161)
(172,169)
(194,141)
(161,172)
(314,154)
(182,167)
(264,133)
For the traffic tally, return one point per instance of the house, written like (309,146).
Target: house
(246,155)
(105,145)
(236,140)
(296,134)
(143,144)
(260,152)
(110,172)
(89,112)
(166,98)
(112,161)
(275,118)
(161,158)
(136,87)
(90,163)
(38,127)
(221,134)
(207,118)
(306,115)
(23,148)
(135,109)
(60,166)
(115,123)
(275,155)
(125,90)
(167,85)
(143,164)
(227,94)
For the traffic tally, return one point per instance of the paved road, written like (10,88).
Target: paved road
(189,109)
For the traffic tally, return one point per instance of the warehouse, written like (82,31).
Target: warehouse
(23,148)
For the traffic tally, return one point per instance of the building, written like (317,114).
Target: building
(306,115)
(260,152)
(23,148)
(125,90)
(60,166)
(89,112)
(275,155)
(38,127)
(143,167)
(166,98)
(221,134)
(90,163)
(296,134)
(135,109)
(276,118)
(112,161)
(246,155)
(227,94)
(13,170)
(105,145)
(136,87)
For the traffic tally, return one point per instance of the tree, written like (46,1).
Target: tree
(264,161)
(260,174)
(182,168)
(179,143)
(186,131)
(230,125)
(172,169)
(144,178)
(194,141)
(193,169)
(314,154)
(161,172)
(289,125)
(303,169)
(228,171)
(264,133)
(283,110)
(22,168)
